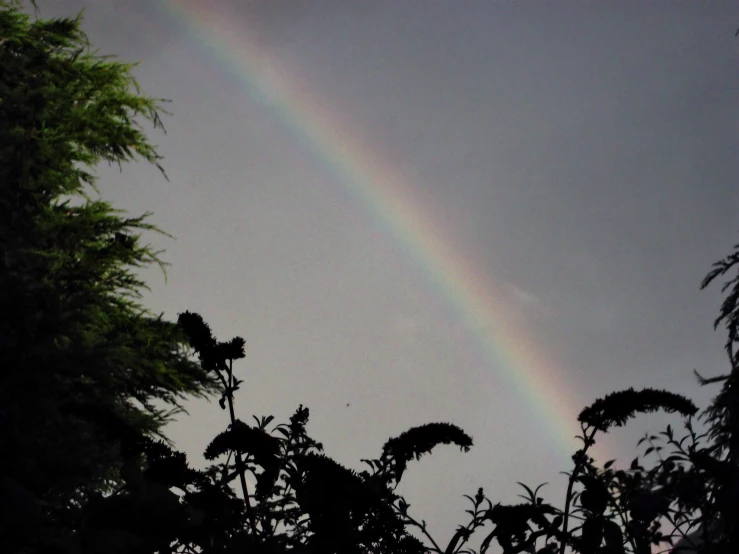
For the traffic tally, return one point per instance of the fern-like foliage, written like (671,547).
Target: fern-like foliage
(729,311)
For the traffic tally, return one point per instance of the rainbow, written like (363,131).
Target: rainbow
(382,193)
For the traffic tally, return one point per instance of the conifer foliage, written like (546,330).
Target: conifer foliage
(84,369)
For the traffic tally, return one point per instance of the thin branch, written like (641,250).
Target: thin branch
(412,521)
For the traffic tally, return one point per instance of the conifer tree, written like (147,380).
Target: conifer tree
(84,369)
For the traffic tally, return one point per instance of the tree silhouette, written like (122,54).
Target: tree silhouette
(82,362)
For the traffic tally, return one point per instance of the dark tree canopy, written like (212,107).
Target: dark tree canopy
(83,365)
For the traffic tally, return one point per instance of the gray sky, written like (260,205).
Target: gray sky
(583,154)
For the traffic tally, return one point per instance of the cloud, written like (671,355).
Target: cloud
(522,296)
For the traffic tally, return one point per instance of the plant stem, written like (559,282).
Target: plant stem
(239,462)
(573,477)
(423,530)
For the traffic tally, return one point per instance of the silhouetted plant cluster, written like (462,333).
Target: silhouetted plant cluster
(83,365)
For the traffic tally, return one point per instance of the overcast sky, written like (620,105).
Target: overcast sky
(582,154)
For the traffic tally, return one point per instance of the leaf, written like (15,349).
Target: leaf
(613,536)
(595,496)
(591,535)
(528,490)
(556,522)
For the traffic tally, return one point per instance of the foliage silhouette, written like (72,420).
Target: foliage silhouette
(306,502)
(82,470)
(85,369)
